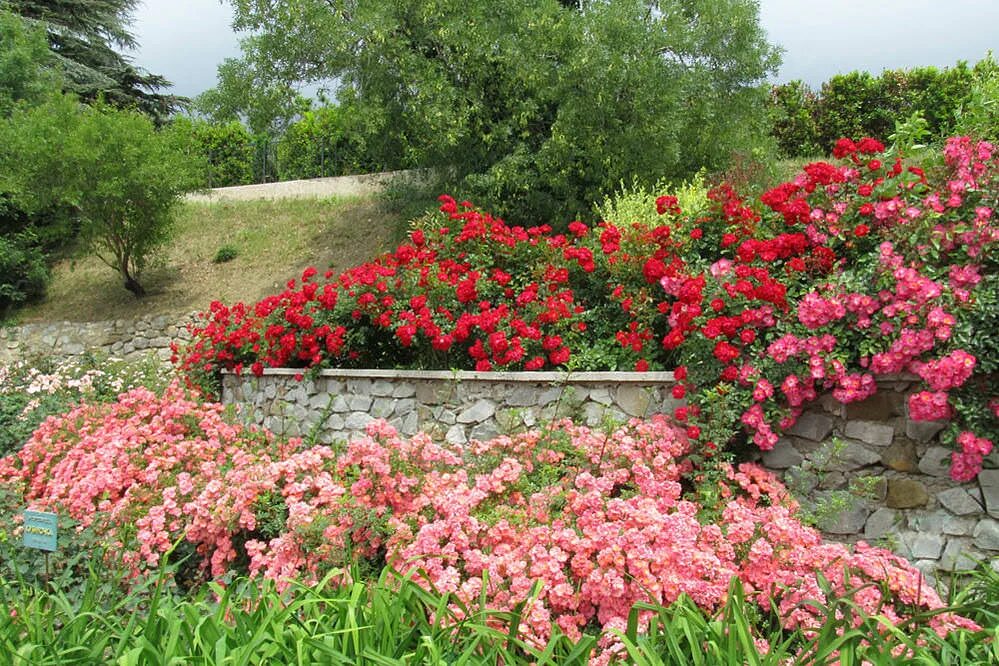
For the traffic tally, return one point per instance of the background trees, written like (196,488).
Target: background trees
(85,37)
(534,107)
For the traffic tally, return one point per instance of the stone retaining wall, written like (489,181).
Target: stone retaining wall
(121,338)
(911,504)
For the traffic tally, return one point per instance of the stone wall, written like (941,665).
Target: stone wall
(833,452)
(120,338)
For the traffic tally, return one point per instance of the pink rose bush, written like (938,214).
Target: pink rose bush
(601,520)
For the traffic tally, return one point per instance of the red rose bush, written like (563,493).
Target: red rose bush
(601,519)
(851,271)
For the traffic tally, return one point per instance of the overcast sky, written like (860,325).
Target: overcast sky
(185,40)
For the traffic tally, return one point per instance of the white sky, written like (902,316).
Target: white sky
(185,40)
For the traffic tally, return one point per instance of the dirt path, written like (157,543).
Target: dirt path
(315,188)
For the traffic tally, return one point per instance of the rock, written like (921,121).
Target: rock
(601,395)
(901,457)
(404,406)
(959,502)
(880,523)
(403,390)
(548,396)
(906,494)
(815,427)
(958,557)
(410,424)
(509,419)
(456,435)
(850,520)
(382,388)
(359,403)
(522,396)
(484,431)
(926,546)
(955,526)
(382,408)
(477,413)
(633,400)
(782,456)
(357,421)
(879,407)
(989,481)
(870,432)
(986,534)
(923,431)
(593,413)
(936,462)
(853,455)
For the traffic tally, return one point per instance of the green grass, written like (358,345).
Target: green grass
(273,242)
(392,621)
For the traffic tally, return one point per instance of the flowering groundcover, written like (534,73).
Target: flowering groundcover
(602,519)
(865,267)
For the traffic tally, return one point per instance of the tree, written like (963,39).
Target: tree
(121,176)
(539,106)
(84,37)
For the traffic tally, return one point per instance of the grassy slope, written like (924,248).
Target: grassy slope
(275,241)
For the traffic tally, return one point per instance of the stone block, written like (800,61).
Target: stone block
(815,427)
(382,388)
(901,456)
(851,520)
(906,494)
(782,456)
(958,556)
(936,462)
(601,396)
(382,407)
(926,546)
(923,431)
(477,413)
(456,435)
(853,455)
(359,403)
(959,502)
(522,396)
(484,431)
(881,523)
(986,534)
(879,407)
(870,432)
(955,526)
(633,400)
(404,406)
(404,390)
(357,421)
(989,482)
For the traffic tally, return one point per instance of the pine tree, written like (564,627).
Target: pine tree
(86,37)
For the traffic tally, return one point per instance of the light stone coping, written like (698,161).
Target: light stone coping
(638,378)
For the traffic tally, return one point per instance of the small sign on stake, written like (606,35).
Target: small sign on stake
(41,530)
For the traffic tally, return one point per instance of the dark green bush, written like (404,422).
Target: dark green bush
(228,149)
(792,119)
(23,271)
(225,253)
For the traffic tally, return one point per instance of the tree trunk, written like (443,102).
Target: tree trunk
(132,284)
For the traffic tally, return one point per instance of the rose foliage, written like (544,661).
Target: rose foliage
(601,519)
(851,271)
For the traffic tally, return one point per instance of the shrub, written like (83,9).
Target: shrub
(227,149)
(328,141)
(979,117)
(31,391)
(23,269)
(225,254)
(792,120)
(601,519)
(848,272)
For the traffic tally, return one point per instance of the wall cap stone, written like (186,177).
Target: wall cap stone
(639,378)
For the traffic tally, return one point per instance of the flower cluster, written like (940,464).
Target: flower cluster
(601,519)
(850,271)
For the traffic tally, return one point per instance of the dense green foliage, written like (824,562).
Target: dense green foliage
(328,141)
(954,100)
(228,149)
(86,38)
(119,175)
(537,108)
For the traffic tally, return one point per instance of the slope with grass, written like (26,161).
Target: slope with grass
(272,241)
